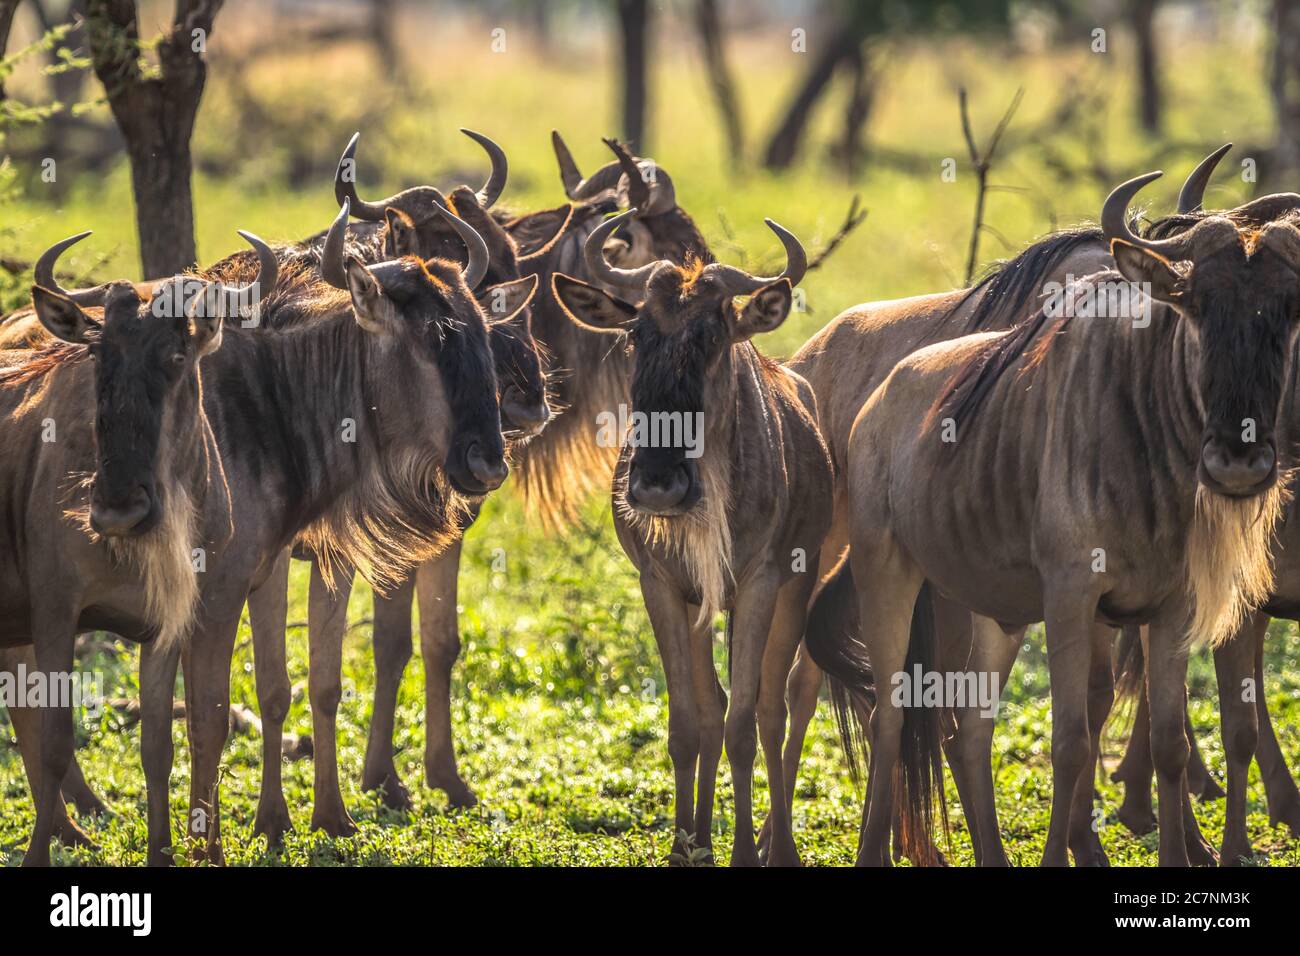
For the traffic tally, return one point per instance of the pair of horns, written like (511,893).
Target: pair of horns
(649,189)
(267,274)
(1114,212)
(417,197)
(332,254)
(735,281)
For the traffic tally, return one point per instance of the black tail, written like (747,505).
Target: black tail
(919,778)
(832,638)
(1130,665)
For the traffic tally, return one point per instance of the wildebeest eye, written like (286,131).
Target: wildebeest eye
(178,358)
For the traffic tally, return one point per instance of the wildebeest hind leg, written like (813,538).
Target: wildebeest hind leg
(970,751)
(1279,786)
(783,641)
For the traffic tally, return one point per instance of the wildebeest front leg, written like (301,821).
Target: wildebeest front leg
(54,634)
(1234,665)
(1085,840)
(1166,690)
(26,723)
(157,751)
(1137,811)
(1279,786)
(206,662)
(268,609)
(327,623)
(392,646)
(435,585)
(667,612)
(783,639)
(1070,609)
(711,701)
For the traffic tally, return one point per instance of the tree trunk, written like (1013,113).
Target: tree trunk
(7,10)
(861,96)
(709,25)
(156,116)
(1150,98)
(1285,88)
(634,30)
(785,141)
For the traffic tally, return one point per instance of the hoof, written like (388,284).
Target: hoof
(1137,819)
(1200,853)
(69,834)
(1210,790)
(459,796)
(392,792)
(272,824)
(337,824)
(1288,815)
(1236,854)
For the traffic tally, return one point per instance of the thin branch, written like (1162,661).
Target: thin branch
(855,217)
(982,163)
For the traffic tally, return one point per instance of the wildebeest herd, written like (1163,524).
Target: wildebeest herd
(924,479)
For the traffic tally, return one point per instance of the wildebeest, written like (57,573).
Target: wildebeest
(1024,521)
(111,479)
(679,512)
(557,467)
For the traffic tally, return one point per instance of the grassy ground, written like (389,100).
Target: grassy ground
(560,713)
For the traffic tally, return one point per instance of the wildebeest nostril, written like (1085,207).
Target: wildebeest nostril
(121,517)
(489,471)
(659,493)
(1238,473)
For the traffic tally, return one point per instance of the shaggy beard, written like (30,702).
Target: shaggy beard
(1229,560)
(161,559)
(701,537)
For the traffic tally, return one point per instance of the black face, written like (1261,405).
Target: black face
(140,357)
(520,376)
(1244,311)
(679,334)
(448,328)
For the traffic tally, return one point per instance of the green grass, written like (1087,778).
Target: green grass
(559,711)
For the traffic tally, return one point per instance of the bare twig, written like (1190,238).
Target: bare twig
(982,162)
(855,217)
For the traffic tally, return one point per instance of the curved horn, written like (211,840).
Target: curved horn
(638,190)
(44,274)
(653,197)
(575,187)
(345,187)
(1114,221)
(496,182)
(477,266)
(1193,191)
(796,265)
(331,256)
(268,273)
(631,280)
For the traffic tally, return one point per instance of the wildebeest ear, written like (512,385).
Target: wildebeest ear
(590,307)
(505,301)
(1152,271)
(765,310)
(62,317)
(400,239)
(206,313)
(371,307)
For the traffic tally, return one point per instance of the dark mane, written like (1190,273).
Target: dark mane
(42,362)
(1013,284)
(1010,288)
